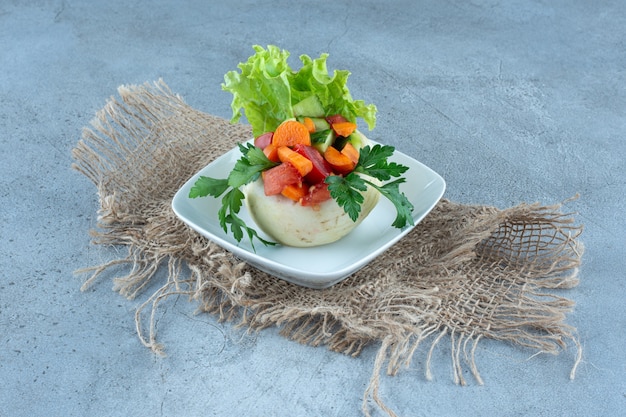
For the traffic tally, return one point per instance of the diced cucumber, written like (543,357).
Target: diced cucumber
(322,139)
(358,140)
(320,123)
(309,107)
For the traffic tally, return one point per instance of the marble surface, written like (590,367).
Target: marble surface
(510,102)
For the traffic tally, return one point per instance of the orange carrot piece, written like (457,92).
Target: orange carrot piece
(344,129)
(309,124)
(341,163)
(291,133)
(351,152)
(302,164)
(271,151)
(294,192)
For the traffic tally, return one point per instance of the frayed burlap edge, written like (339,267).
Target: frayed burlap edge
(465,272)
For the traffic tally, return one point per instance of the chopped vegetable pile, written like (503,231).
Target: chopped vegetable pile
(307,147)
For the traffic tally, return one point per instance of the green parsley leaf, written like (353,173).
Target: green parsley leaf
(238,226)
(205,186)
(234,200)
(373,162)
(246,170)
(254,155)
(249,166)
(371,156)
(403,206)
(347,192)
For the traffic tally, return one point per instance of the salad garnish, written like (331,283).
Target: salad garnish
(267,90)
(327,147)
(372,162)
(246,169)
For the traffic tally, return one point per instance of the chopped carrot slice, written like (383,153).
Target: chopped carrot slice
(291,133)
(302,164)
(294,192)
(341,163)
(308,122)
(271,152)
(344,129)
(351,152)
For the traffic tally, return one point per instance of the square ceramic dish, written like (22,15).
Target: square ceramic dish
(316,267)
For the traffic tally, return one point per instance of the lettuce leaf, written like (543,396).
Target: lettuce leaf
(267,88)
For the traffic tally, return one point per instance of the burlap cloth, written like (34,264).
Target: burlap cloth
(463,274)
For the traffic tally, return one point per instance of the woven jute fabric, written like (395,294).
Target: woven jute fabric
(463,274)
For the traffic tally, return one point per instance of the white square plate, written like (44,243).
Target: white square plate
(322,266)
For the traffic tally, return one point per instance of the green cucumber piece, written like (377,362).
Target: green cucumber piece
(320,123)
(309,107)
(321,140)
(358,140)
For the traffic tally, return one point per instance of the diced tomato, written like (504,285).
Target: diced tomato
(276,178)
(263,140)
(317,194)
(321,168)
(335,118)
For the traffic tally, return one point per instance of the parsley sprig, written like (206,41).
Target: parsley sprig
(373,162)
(247,169)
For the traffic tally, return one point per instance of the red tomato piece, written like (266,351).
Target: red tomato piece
(276,178)
(263,140)
(321,168)
(336,118)
(317,195)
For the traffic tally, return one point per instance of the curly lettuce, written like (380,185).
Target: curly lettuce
(267,88)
